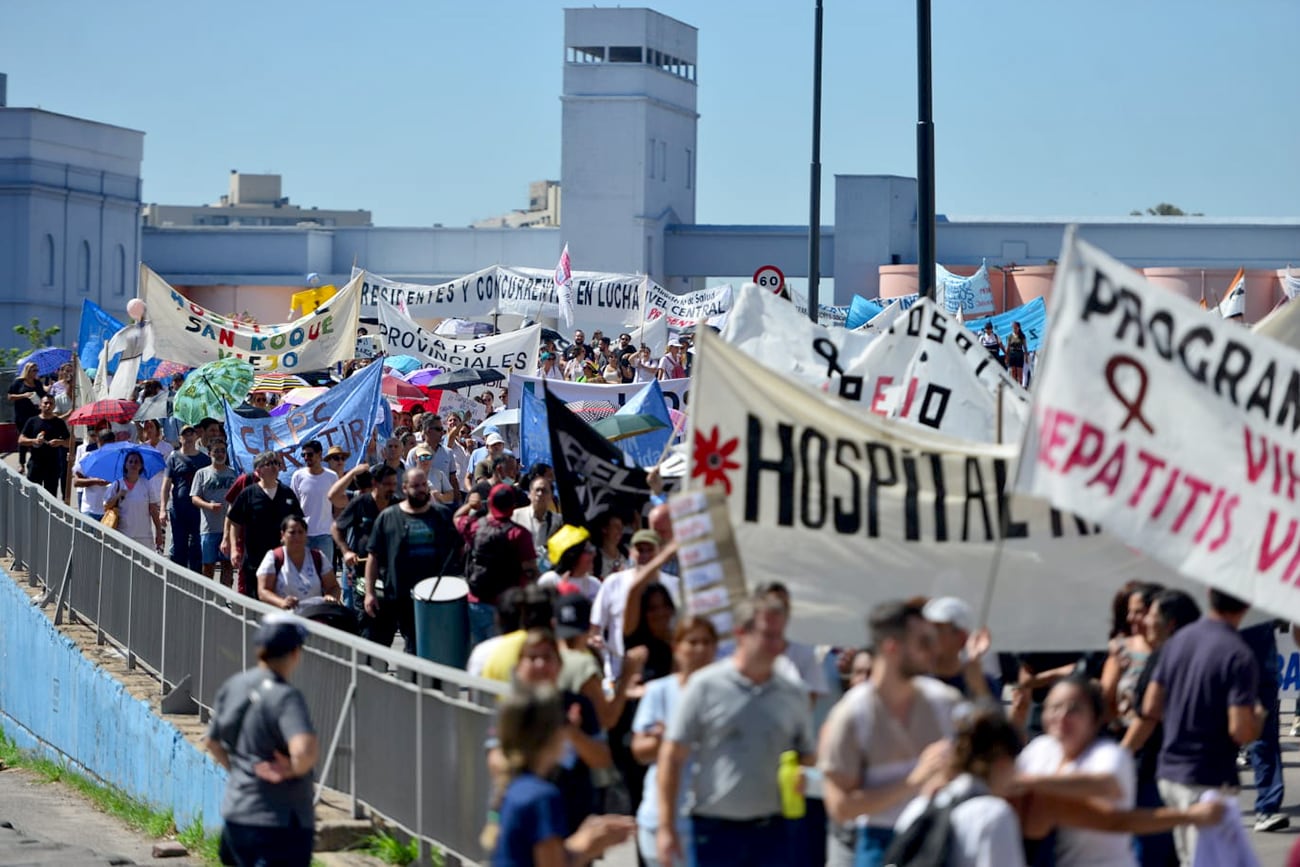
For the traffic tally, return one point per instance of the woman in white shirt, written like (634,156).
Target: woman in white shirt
(136,501)
(572,556)
(293,573)
(985,829)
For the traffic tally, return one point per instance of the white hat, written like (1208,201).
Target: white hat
(951,610)
(494,438)
(674,342)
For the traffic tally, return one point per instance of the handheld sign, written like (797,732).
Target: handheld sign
(770,278)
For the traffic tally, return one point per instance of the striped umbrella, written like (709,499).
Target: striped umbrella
(278,383)
(303,396)
(592,410)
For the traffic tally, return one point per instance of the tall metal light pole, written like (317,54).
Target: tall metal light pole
(815,175)
(925,254)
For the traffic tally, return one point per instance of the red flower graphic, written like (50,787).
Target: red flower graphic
(713,460)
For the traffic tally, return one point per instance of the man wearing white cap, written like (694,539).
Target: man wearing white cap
(481,460)
(959,652)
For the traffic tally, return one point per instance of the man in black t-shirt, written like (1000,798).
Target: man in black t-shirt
(259,509)
(410,541)
(353,525)
(48,437)
(182,465)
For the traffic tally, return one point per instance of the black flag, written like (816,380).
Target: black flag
(592,474)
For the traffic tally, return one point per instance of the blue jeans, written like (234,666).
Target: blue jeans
(482,623)
(324,544)
(187,547)
(1266,758)
(871,845)
(1152,850)
(722,843)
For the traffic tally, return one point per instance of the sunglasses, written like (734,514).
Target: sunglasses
(336,458)
(426,457)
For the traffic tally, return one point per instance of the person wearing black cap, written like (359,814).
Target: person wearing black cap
(262,733)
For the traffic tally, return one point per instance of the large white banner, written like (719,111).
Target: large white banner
(190,334)
(512,352)
(1175,430)
(600,300)
(850,509)
(925,368)
(676,391)
(683,311)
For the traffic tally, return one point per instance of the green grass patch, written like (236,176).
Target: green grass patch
(113,801)
(390,850)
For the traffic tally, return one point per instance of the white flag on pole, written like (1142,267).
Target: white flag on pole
(564,287)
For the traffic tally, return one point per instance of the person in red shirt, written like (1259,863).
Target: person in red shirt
(500,555)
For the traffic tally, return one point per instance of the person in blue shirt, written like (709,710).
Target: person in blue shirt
(531,825)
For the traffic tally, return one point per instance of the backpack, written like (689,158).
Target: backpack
(316,558)
(492,565)
(927,842)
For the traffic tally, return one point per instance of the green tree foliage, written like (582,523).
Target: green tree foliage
(1164,209)
(36,337)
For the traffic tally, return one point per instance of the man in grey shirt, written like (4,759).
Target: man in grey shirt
(262,733)
(734,720)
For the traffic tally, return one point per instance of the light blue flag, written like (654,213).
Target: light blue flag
(905,302)
(861,311)
(645,449)
(97,328)
(1032,318)
(346,415)
(534,430)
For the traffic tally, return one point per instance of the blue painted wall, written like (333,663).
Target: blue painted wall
(55,700)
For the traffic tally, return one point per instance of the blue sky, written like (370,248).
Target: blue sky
(436,112)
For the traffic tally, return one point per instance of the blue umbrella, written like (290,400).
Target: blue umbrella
(47,360)
(403,363)
(107,462)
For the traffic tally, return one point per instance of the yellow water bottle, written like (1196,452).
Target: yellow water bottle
(788,776)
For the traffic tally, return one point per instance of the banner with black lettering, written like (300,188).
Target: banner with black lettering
(191,334)
(512,352)
(591,473)
(924,369)
(850,509)
(601,300)
(683,311)
(1175,430)
(675,390)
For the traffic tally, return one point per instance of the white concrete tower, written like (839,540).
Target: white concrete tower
(629,149)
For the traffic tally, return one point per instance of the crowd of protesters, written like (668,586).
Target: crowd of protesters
(631,718)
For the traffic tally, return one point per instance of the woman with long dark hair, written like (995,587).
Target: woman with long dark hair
(136,502)
(25,394)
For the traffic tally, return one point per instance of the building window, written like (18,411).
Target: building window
(587,54)
(663,160)
(119,271)
(650,161)
(47,260)
(83,266)
(690,170)
(626,54)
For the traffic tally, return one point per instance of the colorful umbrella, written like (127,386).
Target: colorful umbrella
(118,411)
(278,383)
(107,462)
(592,411)
(423,376)
(455,380)
(300,396)
(168,369)
(208,388)
(616,427)
(394,388)
(48,360)
(402,363)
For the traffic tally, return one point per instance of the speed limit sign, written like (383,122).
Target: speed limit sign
(770,278)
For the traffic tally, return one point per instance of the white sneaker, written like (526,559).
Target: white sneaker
(1272,822)
(1295,727)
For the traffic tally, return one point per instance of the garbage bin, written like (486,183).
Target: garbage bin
(442,620)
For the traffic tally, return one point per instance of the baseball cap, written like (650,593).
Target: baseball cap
(951,610)
(565,538)
(189,428)
(649,537)
(572,615)
(494,438)
(501,501)
(280,634)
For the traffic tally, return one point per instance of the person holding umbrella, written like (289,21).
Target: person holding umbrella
(136,502)
(24,394)
(94,490)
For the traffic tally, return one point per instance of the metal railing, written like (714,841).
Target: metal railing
(403,737)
